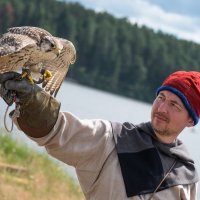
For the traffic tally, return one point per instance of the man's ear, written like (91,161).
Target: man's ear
(190,122)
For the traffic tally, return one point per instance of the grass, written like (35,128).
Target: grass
(34,177)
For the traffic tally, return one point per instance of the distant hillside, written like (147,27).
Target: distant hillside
(112,54)
(27,175)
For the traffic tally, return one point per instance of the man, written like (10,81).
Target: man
(117,161)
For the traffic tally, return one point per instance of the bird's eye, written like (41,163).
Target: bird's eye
(53,46)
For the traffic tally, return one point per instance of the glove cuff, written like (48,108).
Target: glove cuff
(38,114)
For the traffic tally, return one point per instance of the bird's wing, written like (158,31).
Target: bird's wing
(59,67)
(15,50)
(56,81)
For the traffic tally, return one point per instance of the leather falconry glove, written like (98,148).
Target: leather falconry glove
(38,110)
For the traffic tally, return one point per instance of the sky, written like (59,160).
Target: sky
(180,18)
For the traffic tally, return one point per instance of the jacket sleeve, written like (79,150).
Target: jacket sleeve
(84,144)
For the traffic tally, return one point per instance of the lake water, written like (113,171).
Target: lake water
(90,103)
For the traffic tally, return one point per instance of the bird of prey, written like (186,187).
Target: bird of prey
(35,51)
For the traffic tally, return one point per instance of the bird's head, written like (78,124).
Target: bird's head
(50,44)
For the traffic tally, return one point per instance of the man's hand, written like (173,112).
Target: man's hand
(38,110)
(7,95)
(11,85)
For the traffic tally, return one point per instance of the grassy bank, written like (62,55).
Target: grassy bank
(29,175)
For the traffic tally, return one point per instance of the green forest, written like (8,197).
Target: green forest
(112,54)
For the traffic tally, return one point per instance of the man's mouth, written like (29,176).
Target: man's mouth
(161,117)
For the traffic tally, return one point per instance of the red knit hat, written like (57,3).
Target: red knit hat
(186,85)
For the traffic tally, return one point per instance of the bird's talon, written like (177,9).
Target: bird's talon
(27,76)
(24,74)
(46,74)
(30,79)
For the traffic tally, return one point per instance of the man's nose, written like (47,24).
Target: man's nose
(163,107)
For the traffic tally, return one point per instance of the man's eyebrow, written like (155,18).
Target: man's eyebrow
(161,93)
(175,102)
(178,103)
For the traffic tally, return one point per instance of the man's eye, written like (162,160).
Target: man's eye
(175,106)
(159,97)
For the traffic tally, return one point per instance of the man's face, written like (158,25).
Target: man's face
(169,116)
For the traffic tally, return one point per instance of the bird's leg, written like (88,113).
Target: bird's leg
(26,74)
(46,74)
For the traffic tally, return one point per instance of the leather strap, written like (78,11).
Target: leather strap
(170,169)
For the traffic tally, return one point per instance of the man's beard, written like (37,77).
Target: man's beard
(161,132)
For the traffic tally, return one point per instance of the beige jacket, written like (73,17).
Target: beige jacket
(89,146)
